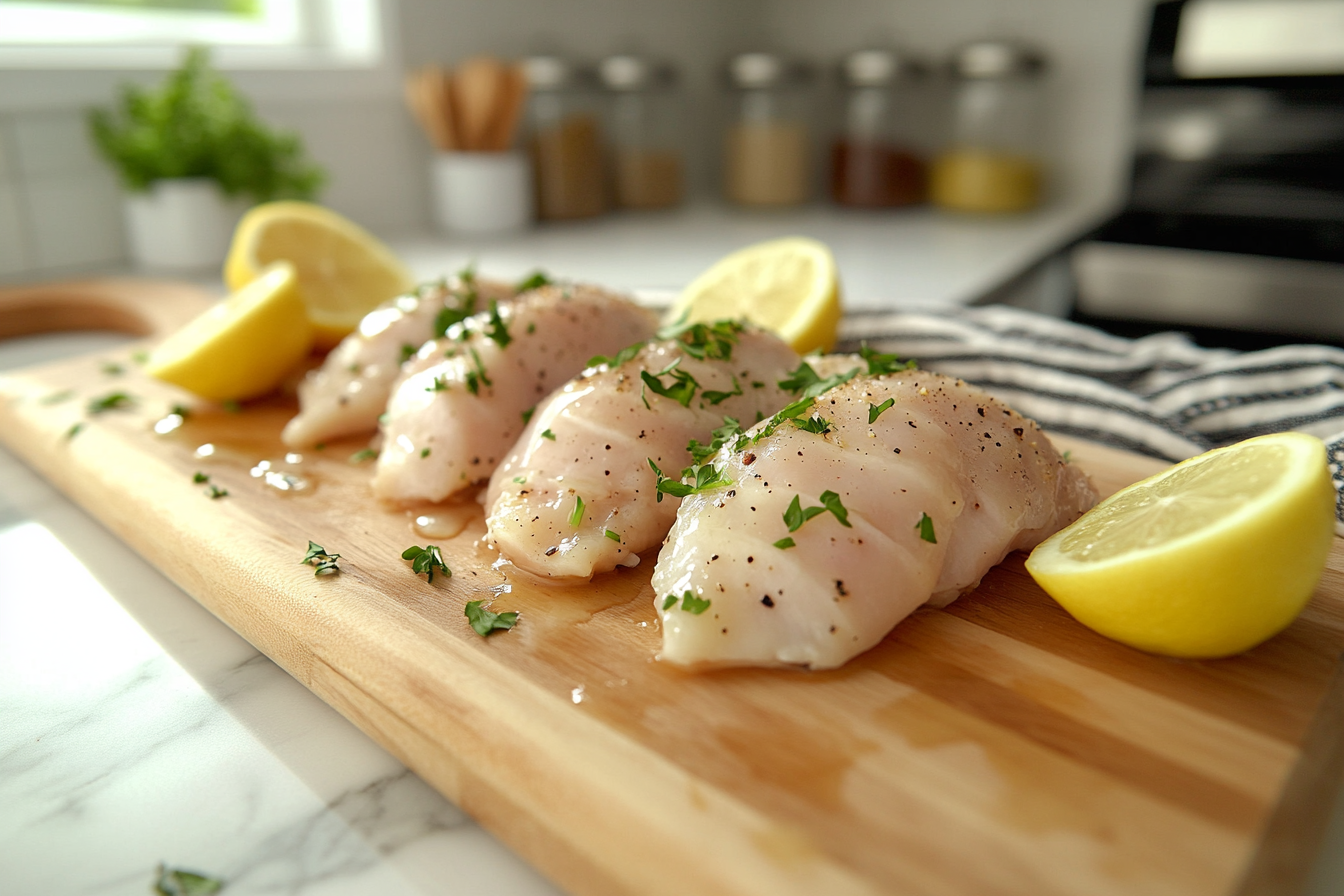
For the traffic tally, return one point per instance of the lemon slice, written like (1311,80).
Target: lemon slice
(243,346)
(788,286)
(344,271)
(1205,559)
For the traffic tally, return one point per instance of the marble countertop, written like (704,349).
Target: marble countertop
(138,729)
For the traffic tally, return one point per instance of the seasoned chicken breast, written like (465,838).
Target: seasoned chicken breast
(580,492)
(837,519)
(464,398)
(346,394)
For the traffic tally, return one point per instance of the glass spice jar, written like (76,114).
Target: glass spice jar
(644,130)
(564,139)
(873,164)
(766,146)
(993,160)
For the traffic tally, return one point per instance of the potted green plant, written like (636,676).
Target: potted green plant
(192,156)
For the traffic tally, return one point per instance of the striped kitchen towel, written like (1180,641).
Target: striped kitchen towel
(1161,395)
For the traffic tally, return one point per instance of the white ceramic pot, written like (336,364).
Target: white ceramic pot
(181,224)
(482,192)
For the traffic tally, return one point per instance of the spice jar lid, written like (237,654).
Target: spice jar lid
(988,59)
(627,72)
(878,67)
(552,73)
(753,71)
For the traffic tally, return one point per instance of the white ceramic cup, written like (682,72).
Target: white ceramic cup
(181,224)
(482,192)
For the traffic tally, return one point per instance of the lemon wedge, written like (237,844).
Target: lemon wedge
(344,271)
(243,346)
(788,286)
(1206,559)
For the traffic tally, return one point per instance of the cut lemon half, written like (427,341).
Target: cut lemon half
(243,346)
(1205,559)
(788,286)
(344,271)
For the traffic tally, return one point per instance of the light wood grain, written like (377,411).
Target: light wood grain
(995,746)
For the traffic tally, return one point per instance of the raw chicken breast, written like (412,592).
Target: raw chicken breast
(464,398)
(346,394)
(911,508)
(578,495)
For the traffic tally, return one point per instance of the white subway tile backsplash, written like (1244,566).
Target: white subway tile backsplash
(13,239)
(74,220)
(54,143)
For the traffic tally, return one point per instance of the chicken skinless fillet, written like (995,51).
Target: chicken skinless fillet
(464,398)
(592,442)
(936,480)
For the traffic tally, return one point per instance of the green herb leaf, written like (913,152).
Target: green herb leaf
(805,383)
(795,515)
(692,604)
(925,527)
(816,423)
(438,384)
(180,882)
(700,341)
(831,501)
(729,431)
(535,280)
(714,397)
(669,602)
(426,560)
(424,452)
(109,402)
(322,561)
(450,314)
(875,410)
(497,331)
(407,352)
(484,621)
(140,357)
(362,455)
(112,368)
(614,536)
(180,410)
(527,414)
(198,477)
(1067,457)
(879,363)
(231,407)
(476,378)
(57,397)
(682,388)
(520,479)
(785,543)
(74,430)
(547,434)
(576,516)
(620,357)
(214,492)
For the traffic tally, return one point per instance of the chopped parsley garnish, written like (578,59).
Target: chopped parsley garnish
(925,527)
(112,368)
(180,410)
(407,352)
(362,455)
(231,407)
(179,882)
(547,434)
(438,384)
(476,378)
(689,603)
(785,543)
(816,423)
(426,560)
(468,274)
(875,410)
(318,558)
(74,430)
(109,402)
(796,514)
(535,280)
(448,315)
(214,492)
(198,477)
(730,430)
(682,388)
(618,359)
(614,536)
(576,515)
(714,397)
(57,397)
(424,452)
(703,477)
(498,331)
(484,621)
(1067,457)
(701,341)
(804,382)
(879,363)
(520,479)
(140,357)
(527,414)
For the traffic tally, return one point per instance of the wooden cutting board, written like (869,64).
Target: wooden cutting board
(995,746)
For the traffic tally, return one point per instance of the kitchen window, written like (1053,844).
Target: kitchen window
(86,34)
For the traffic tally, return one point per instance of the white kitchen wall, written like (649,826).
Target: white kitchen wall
(60,208)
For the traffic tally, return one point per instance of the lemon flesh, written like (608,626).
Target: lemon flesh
(1206,559)
(344,272)
(243,346)
(788,286)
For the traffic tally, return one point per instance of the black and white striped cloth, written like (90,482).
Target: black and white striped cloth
(1161,395)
